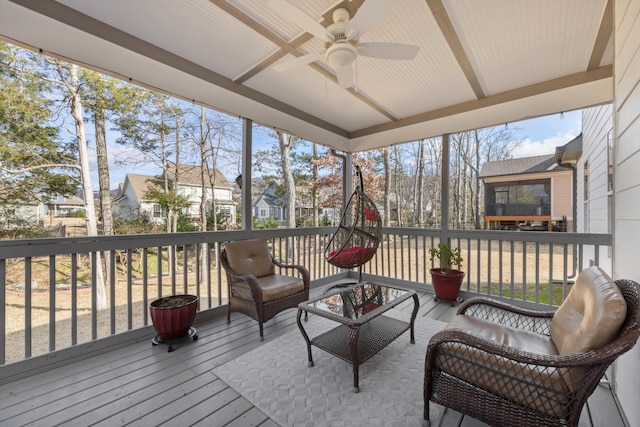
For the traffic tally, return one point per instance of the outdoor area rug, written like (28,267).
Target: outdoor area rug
(276,379)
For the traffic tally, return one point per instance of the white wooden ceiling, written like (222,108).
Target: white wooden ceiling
(480,63)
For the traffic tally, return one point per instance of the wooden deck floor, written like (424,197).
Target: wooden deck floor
(143,385)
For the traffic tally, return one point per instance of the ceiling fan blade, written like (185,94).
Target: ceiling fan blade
(388,50)
(366,16)
(300,18)
(297,62)
(345,76)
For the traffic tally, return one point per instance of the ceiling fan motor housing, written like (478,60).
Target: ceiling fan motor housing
(341,54)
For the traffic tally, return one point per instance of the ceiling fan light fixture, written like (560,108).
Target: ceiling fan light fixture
(341,54)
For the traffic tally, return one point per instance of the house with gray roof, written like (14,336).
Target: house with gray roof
(529,193)
(131,200)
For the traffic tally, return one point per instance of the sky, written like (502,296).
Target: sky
(539,136)
(542,135)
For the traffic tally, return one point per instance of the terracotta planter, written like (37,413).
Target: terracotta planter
(446,283)
(173,316)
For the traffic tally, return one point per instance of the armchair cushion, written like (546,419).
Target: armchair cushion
(530,342)
(274,286)
(250,257)
(591,315)
(529,385)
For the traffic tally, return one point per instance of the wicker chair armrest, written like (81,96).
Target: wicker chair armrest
(477,342)
(306,278)
(506,314)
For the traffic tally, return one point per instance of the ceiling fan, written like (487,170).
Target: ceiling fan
(341,38)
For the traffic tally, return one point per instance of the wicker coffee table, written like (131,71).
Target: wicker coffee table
(363,330)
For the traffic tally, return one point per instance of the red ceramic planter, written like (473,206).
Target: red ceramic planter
(173,316)
(446,283)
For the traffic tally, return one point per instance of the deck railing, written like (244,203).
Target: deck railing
(51,298)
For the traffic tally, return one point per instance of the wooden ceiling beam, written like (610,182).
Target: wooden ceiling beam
(451,36)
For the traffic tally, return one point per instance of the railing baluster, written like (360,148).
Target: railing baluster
(185,269)
(3,303)
(537,287)
(551,282)
(197,263)
(27,307)
(74,299)
(218,249)
(565,266)
(402,264)
(489,264)
(478,265)
(513,271)
(524,271)
(145,284)
(52,302)
(173,266)
(159,273)
(129,292)
(112,291)
(500,267)
(94,295)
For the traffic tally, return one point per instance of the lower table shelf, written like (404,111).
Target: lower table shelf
(373,337)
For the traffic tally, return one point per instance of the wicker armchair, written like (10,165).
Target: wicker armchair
(255,289)
(510,366)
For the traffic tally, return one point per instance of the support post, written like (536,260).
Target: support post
(247,142)
(444,191)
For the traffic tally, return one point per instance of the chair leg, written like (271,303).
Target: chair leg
(228,314)
(261,331)
(306,316)
(426,422)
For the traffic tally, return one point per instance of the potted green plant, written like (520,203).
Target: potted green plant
(446,280)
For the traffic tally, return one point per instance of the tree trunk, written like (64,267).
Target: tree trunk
(104,185)
(397,190)
(203,181)
(87,191)
(289,186)
(204,270)
(176,179)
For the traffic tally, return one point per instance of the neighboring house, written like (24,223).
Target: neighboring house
(43,208)
(269,205)
(59,205)
(218,191)
(530,193)
(130,200)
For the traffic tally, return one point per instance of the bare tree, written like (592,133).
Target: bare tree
(418,211)
(69,77)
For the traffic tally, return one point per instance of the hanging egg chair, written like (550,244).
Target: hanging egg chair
(358,235)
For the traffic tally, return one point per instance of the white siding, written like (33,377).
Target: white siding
(627,180)
(224,194)
(128,206)
(596,124)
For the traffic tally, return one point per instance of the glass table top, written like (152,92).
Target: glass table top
(358,300)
